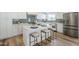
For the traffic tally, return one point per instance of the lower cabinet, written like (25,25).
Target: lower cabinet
(17,29)
(10,31)
(60,27)
(7,29)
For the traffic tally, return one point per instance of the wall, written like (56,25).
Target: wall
(7,29)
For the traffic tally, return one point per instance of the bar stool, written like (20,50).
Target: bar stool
(46,32)
(54,31)
(54,34)
(35,35)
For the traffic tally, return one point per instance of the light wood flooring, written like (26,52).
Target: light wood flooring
(59,40)
(13,41)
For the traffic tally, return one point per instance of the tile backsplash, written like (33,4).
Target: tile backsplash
(60,20)
(17,21)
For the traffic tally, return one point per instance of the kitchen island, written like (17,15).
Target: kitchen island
(27,30)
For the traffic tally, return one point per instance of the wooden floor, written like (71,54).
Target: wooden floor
(59,40)
(14,41)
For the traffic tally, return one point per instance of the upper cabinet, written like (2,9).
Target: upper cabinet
(59,15)
(33,13)
(17,15)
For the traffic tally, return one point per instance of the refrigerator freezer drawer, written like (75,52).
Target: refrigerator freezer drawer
(71,32)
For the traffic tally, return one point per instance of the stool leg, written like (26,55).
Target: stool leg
(53,35)
(34,40)
(48,35)
(45,37)
(41,38)
(30,40)
(49,39)
(37,41)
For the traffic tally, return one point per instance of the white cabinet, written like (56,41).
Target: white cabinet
(7,29)
(60,27)
(59,15)
(3,31)
(17,15)
(16,29)
(3,25)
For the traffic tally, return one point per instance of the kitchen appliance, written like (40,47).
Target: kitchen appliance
(71,24)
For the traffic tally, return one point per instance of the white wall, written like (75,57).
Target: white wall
(7,29)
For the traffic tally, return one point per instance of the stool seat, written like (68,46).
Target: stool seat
(46,31)
(52,29)
(35,34)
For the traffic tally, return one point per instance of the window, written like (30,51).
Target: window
(51,17)
(46,17)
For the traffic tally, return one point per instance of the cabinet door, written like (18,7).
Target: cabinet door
(20,29)
(17,29)
(3,26)
(3,31)
(60,27)
(18,15)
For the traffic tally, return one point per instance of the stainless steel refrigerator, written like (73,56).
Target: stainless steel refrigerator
(71,24)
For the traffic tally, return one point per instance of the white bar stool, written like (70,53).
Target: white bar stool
(54,31)
(46,32)
(35,35)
